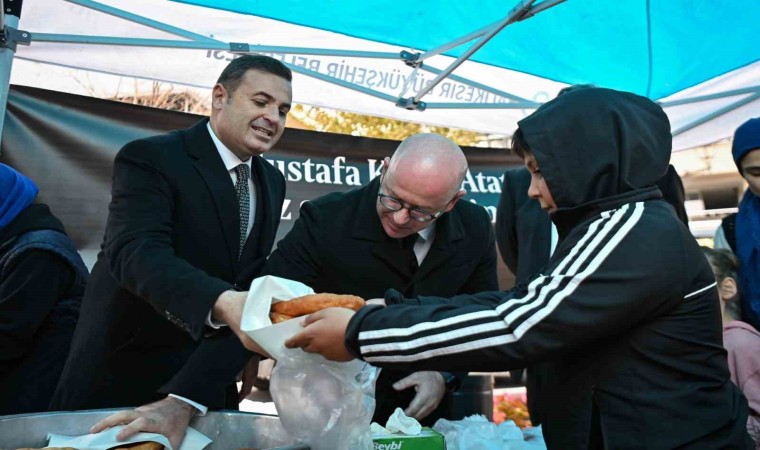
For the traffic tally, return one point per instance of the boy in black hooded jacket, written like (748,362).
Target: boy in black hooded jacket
(626,311)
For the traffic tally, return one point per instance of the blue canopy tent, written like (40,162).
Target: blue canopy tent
(653,48)
(443,62)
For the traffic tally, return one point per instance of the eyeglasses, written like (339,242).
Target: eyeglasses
(418,214)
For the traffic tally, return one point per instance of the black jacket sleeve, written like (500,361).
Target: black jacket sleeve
(138,244)
(601,283)
(29,289)
(212,367)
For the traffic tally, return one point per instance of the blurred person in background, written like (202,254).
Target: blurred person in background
(740,232)
(740,339)
(42,280)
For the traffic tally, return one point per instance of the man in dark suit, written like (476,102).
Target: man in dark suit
(192,218)
(405,230)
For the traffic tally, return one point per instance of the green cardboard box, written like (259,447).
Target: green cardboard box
(429,439)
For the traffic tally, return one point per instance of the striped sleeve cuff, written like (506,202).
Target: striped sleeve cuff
(351,340)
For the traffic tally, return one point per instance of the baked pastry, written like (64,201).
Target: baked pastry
(277,317)
(307,304)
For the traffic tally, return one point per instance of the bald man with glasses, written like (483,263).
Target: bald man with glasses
(405,230)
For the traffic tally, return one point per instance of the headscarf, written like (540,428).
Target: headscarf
(16,193)
(746,139)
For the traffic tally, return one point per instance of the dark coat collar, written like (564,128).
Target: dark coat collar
(209,164)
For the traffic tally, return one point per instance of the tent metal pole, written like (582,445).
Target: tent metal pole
(543,6)
(516,12)
(716,113)
(206,45)
(704,98)
(457,42)
(475,84)
(535,9)
(298,69)
(141,20)
(136,42)
(507,105)
(9,21)
(345,84)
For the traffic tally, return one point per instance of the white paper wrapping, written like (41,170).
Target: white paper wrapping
(194,440)
(256,323)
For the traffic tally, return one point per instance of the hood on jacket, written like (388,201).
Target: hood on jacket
(596,143)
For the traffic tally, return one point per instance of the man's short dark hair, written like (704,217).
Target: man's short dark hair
(519,145)
(233,73)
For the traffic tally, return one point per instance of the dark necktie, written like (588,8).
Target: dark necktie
(243,200)
(407,244)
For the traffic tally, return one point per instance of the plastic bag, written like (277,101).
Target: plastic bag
(325,404)
(478,433)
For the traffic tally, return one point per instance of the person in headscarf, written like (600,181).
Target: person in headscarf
(42,280)
(741,231)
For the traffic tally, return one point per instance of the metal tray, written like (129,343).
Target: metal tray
(229,430)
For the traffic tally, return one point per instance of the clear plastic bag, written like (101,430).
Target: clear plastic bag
(324,404)
(478,433)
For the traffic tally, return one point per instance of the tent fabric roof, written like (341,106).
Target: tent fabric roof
(651,47)
(697,57)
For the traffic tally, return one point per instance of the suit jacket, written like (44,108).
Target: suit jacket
(338,245)
(169,250)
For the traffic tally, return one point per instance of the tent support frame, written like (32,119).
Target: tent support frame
(141,20)
(530,12)
(10,36)
(519,10)
(10,13)
(704,98)
(199,42)
(717,113)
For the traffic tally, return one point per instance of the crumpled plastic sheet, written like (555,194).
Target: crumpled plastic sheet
(478,433)
(325,404)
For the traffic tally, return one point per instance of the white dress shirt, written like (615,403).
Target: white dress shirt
(425,240)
